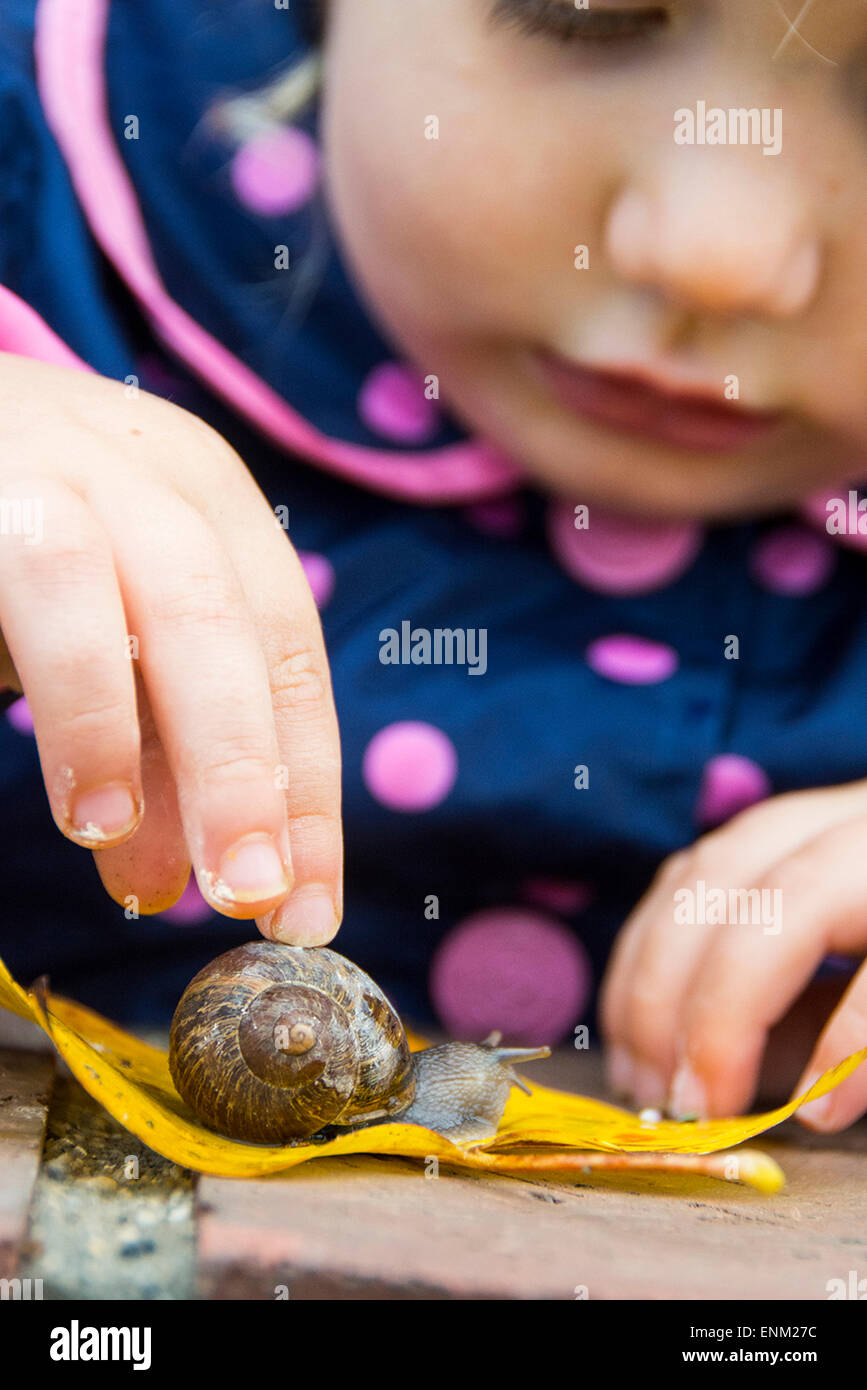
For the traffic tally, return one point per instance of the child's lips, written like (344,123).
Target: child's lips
(630,402)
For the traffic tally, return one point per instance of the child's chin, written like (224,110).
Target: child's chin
(643,480)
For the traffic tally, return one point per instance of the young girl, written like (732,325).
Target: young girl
(539,328)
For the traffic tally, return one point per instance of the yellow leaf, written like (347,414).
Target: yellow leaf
(547,1131)
(552,1117)
(12,996)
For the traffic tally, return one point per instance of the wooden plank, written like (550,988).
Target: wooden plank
(377,1228)
(25,1090)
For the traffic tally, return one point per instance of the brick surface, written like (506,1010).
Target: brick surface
(377,1228)
(25,1089)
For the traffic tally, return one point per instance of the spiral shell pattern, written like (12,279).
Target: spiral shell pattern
(271,1043)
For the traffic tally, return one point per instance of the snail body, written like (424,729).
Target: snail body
(273,1043)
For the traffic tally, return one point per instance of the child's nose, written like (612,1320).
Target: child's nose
(719,235)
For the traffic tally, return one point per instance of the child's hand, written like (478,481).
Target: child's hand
(687,1007)
(222,727)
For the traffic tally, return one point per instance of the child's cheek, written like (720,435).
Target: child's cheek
(440,197)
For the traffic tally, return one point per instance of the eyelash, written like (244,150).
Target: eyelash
(555,20)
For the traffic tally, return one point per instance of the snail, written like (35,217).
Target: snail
(273,1043)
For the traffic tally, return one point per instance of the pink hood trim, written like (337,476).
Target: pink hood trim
(24,333)
(69,50)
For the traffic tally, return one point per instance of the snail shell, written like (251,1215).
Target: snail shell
(271,1043)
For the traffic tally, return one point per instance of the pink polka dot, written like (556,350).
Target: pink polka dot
(502,517)
(160,381)
(729,784)
(816,510)
(410,766)
(631,660)
(392,402)
(19,717)
(792,560)
(276,172)
(568,896)
(190,907)
(511,970)
(621,554)
(320,575)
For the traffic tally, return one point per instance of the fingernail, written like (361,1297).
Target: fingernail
(104,813)
(307,918)
(621,1070)
(649,1087)
(251,871)
(815,1112)
(688,1095)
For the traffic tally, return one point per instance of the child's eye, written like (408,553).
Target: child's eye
(562,19)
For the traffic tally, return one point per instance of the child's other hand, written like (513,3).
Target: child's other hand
(687,1007)
(223,725)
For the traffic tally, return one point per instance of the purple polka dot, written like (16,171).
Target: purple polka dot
(620,554)
(19,717)
(190,907)
(511,970)
(392,403)
(320,575)
(568,896)
(631,660)
(410,766)
(793,560)
(276,172)
(729,784)
(502,517)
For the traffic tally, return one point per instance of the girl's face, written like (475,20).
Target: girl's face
(711,359)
